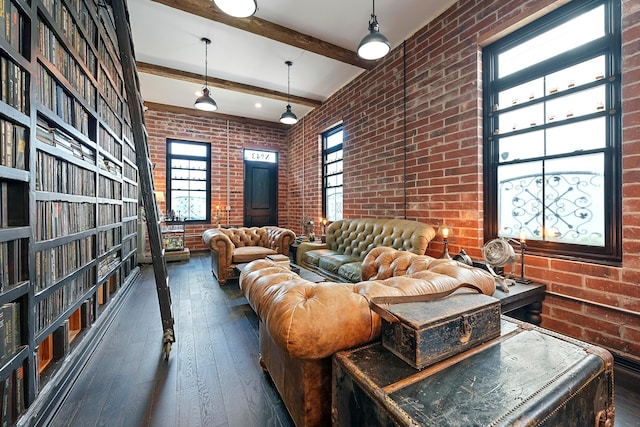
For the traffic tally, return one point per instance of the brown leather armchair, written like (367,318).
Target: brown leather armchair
(302,323)
(232,246)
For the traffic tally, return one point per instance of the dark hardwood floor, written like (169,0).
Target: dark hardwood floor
(212,377)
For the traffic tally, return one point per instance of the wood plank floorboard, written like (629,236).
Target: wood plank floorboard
(212,377)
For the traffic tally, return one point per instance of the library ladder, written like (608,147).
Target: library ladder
(134,100)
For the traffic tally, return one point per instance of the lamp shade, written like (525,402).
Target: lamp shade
(237,8)
(288,118)
(205,102)
(445,231)
(374,45)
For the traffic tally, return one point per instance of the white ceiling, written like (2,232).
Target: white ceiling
(172,38)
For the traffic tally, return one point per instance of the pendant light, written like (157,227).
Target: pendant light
(237,8)
(205,102)
(288,118)
(374,45)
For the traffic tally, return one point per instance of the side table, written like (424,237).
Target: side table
(523,301)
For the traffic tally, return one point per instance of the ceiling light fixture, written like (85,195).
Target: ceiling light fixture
(205,102)
(374,45)
(237,8)
(288,118)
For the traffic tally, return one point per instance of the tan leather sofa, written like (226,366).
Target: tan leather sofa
(302,323)
(232,246)
(350,240)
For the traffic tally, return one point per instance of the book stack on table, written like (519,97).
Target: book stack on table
(280,259)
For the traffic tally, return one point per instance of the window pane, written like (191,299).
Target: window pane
(560,39)
(586,135)
(195,150)
(521,93)
(189,204)
(523,146)
(334,204)
(332,157)
(522,118)
(334,168)
(333,140)
(576,75)
(576,105)
(570,194)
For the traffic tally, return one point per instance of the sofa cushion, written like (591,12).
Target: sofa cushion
(313,257)
(250,253)
(332,263)
(352,271)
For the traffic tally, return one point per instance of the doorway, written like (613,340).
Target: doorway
(260,188)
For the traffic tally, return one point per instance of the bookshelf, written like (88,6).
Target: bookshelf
(68,190)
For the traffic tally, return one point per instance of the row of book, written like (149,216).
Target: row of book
(53,50)
(73,34)
(109,213)
(109,144)
(50,308)
(108,116)
(127,151)
(54,263)
(13,204)
(59,12)
(10,340)
(129,191)
(107,264)
(12,25)
(14,83)
(56,99)
(108,239)
(109,189)
(13,260)
(13,145)
(57,138)
(110,166)
(104,51)
(129,209)
(109,93)
(56,218)
(128,246)
(59,176)
(13,397)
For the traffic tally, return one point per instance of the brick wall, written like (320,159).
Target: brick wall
(162,125)
(441,177)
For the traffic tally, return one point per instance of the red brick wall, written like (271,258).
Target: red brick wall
(442,175)
(162,125)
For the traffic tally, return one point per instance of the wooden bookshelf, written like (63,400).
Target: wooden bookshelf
(68,184)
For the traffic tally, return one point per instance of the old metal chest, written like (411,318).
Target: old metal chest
(423,333)
(526,377)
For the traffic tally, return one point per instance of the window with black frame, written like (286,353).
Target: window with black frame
(188,180)
(332,183)
(552,133)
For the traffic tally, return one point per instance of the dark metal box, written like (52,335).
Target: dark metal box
(528,376)
(423,333)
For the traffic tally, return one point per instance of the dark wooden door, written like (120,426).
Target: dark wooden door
(260,194)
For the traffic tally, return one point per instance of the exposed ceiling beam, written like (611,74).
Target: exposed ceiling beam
(212,115)
(172,73)
(255,25)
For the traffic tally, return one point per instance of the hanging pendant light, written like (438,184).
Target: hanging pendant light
(237,8)
(374,45)
(288,118)
(205,102)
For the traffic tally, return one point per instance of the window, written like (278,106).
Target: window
(188,180)
(332,173)
(552,141)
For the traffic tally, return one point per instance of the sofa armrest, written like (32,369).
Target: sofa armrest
(279,239)
(306,247)
(216,240)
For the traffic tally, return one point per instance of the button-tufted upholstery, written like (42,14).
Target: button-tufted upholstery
(304,323)
(350,240)
(233,246)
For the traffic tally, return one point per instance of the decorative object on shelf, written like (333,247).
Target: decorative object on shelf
(204,101)
(237,8)
(445,232)
(159,199)
(288,118)
(374,45)
(308,228)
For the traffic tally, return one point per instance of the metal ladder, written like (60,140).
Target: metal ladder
(145,169)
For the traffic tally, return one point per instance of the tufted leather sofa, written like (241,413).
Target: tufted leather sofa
(350,240)
(232,246)
(302,323)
